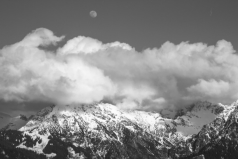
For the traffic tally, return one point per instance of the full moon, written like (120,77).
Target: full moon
(93,14)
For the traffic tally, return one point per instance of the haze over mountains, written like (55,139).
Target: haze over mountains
(14,123)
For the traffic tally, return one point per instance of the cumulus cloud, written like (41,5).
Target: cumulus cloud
(87,45)
(29,73)
(81,44)
(210,88)
(85,70)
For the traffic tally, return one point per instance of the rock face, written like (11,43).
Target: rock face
(204,130)
(99,131)
(217,139)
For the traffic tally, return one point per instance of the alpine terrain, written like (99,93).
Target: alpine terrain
(98,131)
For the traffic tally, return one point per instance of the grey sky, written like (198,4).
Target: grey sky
(140,23)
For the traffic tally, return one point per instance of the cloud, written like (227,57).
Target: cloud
(87,45)
(210,88)
(178,74)
(85,70)
(30,74)
(81,44)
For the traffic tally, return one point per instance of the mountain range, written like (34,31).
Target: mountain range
(102,130)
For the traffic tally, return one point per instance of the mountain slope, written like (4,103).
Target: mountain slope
(193,118)
(217,139)
(98,130)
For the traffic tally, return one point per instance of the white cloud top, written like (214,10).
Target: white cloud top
(85,70)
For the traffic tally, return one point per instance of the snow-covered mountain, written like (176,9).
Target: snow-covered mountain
(216,140)
(104,131)
(193,118)
(100,130)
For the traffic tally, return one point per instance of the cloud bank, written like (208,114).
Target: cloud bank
(85,70)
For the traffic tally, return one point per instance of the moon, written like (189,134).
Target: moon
(93,14)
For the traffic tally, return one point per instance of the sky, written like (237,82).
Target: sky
(163,49)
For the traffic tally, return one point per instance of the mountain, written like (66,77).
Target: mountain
(104,131)
(218,139)
(193,118)
(101,131)
(13,123)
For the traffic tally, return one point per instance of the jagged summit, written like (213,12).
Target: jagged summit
(90,113)
(97,128)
